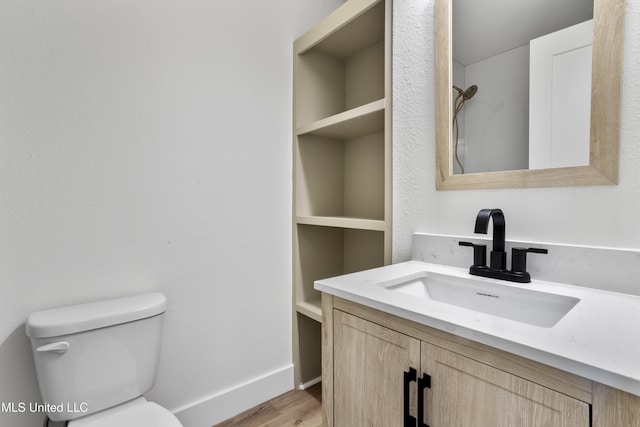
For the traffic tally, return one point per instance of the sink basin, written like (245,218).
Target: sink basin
(510,302)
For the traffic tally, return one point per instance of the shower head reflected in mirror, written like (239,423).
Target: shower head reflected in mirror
(463,96)
(467,94)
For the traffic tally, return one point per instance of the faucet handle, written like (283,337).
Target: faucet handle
(479,253)
(519,258)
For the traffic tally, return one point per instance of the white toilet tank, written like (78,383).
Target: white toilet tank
(90,357)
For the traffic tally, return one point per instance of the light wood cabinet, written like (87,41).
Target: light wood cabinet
(341,160)
(374,383)
(368,357)
(368,368)
(465,392)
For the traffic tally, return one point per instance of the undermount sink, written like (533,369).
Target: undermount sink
(510,302)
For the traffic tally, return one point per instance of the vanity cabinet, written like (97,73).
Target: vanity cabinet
(369,372)
(341,160)
(378,369)
(380,375)
(464,392)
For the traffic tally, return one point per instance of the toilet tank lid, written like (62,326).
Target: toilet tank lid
(84,317)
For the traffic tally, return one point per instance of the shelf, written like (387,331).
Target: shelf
(359,121)
(341,66)
(326,85)
(343,222)
(311,309)
(308,332)
(340,178)
(341,160)
(325,251)
(355,24)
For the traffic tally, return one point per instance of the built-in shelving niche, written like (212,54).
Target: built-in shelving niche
(341,160)
(341,178)
(331,251)
(342,71)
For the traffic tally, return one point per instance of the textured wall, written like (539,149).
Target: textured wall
(146,146)
(600,216)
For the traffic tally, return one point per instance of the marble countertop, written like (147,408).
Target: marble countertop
(599,338)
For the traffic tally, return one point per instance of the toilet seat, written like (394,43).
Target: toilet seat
(136,413)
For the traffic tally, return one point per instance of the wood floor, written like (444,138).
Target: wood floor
(295,408)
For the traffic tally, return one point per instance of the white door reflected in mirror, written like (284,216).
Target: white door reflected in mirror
(560,97)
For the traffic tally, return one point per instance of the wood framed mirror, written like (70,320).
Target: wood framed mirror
(604,124)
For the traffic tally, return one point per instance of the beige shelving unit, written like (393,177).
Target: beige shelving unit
(341,160)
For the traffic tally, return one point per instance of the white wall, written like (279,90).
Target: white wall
(600,216)
(497,117)
(147,146)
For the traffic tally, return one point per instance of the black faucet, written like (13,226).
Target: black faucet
(497,268)
(498,258)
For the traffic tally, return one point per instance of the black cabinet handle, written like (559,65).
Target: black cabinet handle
(409,377)
(424,382)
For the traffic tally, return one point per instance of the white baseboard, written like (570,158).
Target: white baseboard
(233,401)
(304,386)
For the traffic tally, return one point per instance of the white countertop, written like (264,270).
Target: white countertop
(598,339)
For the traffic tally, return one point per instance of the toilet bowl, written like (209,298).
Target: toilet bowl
(136,413)
(95,361)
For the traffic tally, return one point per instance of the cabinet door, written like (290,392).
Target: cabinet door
(467,393)
(369,366)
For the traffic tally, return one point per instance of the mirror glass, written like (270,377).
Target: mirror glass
(521,74)
(527,92)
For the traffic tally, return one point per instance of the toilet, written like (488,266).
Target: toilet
(95,361)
